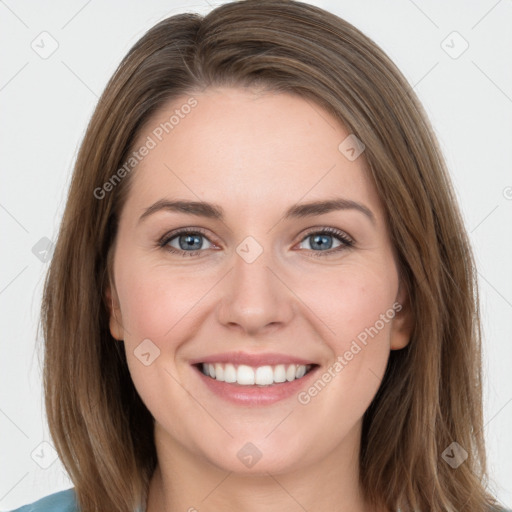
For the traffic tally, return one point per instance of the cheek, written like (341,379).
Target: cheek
(156,305)
(350,301)
(154,300)
(358,307)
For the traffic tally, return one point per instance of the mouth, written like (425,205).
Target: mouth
(253,380)
(262,376)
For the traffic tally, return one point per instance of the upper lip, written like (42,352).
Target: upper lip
(261,359)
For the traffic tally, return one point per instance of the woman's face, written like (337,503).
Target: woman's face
(258,289)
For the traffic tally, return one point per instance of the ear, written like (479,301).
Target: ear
(115,318)
(403,321)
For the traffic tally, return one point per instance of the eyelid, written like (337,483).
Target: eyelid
(183,231)
(330,230)
(346,241)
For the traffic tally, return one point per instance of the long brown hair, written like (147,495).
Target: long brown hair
(430,396)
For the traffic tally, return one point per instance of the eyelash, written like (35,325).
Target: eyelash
(347,242)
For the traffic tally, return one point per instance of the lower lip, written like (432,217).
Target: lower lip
(256,395)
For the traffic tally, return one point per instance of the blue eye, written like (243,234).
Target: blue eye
(322,240)
(191,242)
(188,242)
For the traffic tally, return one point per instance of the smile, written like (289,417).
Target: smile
(249,376)
(254,379)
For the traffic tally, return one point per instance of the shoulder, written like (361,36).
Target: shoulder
(63,501)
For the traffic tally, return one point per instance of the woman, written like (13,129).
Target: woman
(263,296)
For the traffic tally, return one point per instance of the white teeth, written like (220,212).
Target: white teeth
(245,375)
(301,371)
(280,373)
(248,376)
(229,373)
(219,372)
(264,375)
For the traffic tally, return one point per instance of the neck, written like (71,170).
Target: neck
(188,482)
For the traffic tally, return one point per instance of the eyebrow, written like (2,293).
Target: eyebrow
(213,211)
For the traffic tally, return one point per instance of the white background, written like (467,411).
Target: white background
(46,104)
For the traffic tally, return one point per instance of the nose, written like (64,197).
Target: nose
(255,298)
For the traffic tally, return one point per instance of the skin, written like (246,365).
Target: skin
(256,154)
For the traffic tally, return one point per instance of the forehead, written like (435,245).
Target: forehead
(247,147)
